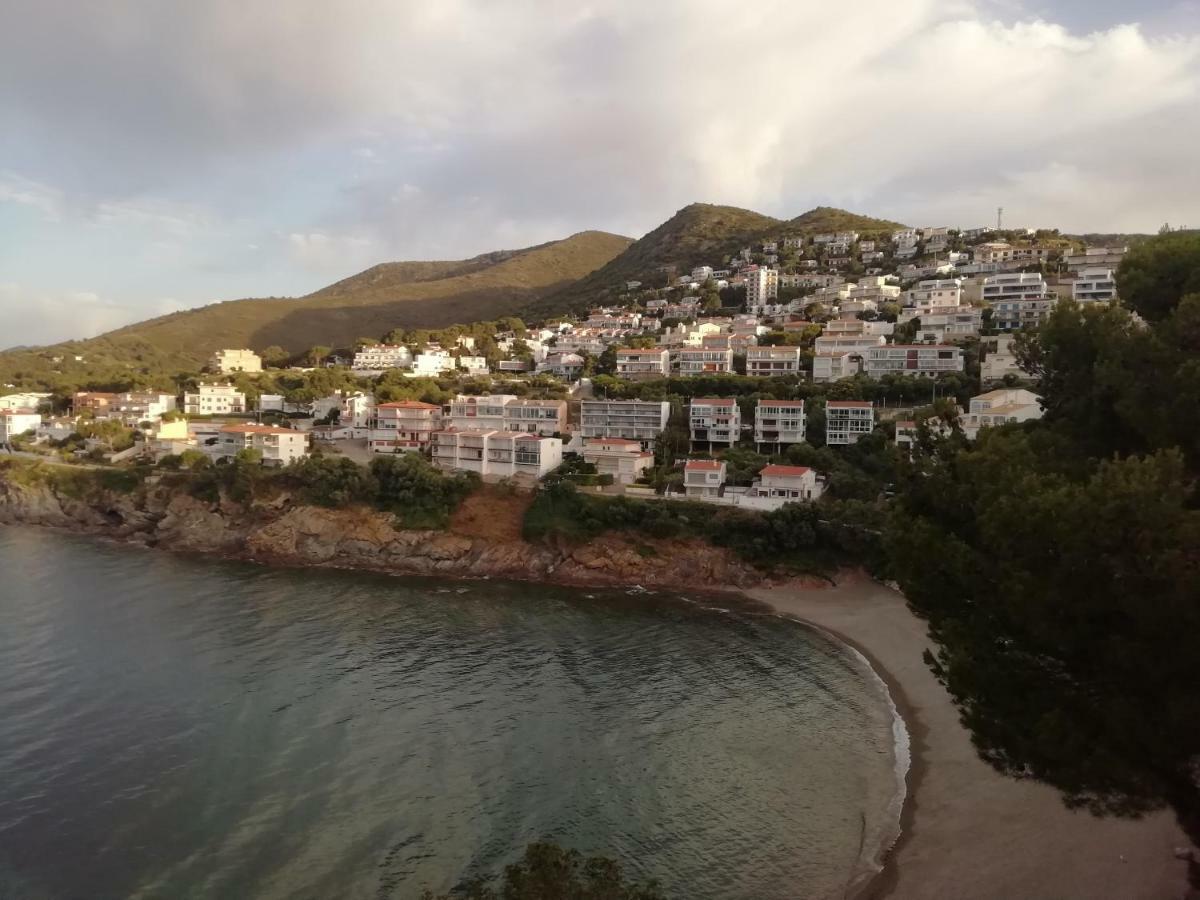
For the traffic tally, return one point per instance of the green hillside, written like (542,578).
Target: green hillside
(392,295)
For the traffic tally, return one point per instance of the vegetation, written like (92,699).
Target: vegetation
(548,872)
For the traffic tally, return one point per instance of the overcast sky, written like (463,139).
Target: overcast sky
(160,155)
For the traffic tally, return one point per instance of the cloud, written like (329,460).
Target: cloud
(30,317)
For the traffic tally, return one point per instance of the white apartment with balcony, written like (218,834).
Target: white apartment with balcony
(624,460)
(482,413)
(999,407)
(703,478)
(778,423)
(432,363)
(544,417)
(952,323)
(762,288)
(714,421)
(702,361)
(642,364)
(848,420)
(1018,299)
(1096,257)
(1094,285)
(922,360)
(937,293)
(215,400)
(228,361)
(377,357)
(504,454)
(278,446)
(832,365)
(404,426)
(636,420)
(766,362)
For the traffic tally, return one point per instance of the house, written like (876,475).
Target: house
(1000,407)
(215,400)
(171,437)
(786,484)
(501,453)
(831,365)
(703,478)
(641,364)
(30,400)
(515,365)
(228,361)
(403,426)
(568,366)
(951,323)
(278,446)
(848,420)
(1094,284)
(624,460)
(762,287)
(998,358)
(924,360)
(15,422)
(778,423)
(96,402)
(713,421)
(432,362)
(637,420)
(691,361)
(1018,299)
(135,407)
(768,361)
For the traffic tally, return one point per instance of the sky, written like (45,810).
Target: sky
(157,156)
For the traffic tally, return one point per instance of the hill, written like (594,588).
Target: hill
(699,234)
(387,296)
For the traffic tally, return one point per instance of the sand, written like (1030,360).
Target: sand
(969,832)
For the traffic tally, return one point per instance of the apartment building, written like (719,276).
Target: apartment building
(1094,284)
(848,420)
(1018,299)
(1095,257)
(1000,407)
(714,421)
(769,361)
(998,359)
(852,327)
(278,446)
(14,422)
(703,478)
(852,342)
(568,366)
(624,460)
(544,417)
(228,361)
(432,362)
(831,365)
(636,420)
(924,360)
(638,365)
(483,413)
(500,453)
(778,423)
(403,426)
(937,293)
(762,288)
(701,361)
(952,323)
(215,400)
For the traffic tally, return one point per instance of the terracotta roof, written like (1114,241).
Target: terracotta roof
(714,401)
(785,471)
(849,404)
(709,465)
(258,429)
(766,402)
(22,411)
(610,441)
(408,404)
(657,352)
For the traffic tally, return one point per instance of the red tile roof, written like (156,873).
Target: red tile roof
(708,465)
(849,404)
(408,404)
(765,402)
(785,471)
(713,401)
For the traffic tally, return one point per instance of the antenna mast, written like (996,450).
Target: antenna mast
(999,218)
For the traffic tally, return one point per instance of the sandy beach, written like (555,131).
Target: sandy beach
(968,832)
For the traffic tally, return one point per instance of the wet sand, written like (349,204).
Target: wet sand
(968,832)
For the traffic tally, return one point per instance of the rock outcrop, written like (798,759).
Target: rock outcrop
(284,533)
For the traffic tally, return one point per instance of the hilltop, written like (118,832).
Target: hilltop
(392,295)
(699,234)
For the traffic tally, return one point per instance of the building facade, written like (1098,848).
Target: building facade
(404,426)
(501,453)
(702,478)
(228,361)
(641,364)
(377,357)
(848,420)
(637,420)
(215,400)
(769,361)
(624,460)
(922,360)
(714,422)
(278,446)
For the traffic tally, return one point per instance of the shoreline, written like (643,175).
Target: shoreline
(968,831)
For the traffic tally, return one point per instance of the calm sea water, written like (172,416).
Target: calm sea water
(176,728)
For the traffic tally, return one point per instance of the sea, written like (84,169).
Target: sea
(178,727)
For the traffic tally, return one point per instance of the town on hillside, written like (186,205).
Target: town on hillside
(716,384)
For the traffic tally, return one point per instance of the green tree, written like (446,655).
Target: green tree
(274,356)
(1155,275)
(317,354)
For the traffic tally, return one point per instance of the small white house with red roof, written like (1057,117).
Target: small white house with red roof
(703,478)
(786,484)
(623,459)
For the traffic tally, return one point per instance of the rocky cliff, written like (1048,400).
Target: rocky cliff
(285,533)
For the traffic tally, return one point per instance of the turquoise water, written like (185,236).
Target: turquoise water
(176,727)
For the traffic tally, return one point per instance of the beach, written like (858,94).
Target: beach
(969,832)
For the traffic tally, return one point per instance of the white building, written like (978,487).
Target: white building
(1096,257)
(701,361)
(778,423)
(432,363)
(762,288)
(923,360)
(848,420)
(637,420)
(1018,299)
(624,460)
(770,361)
(998,358)
(377,357)
(953,323)
(403,426)
(544,417)
(831,365)
(15,422)
(227,361)
(787,484)
(642,364)
(715,421)
(500,453)
(1094,285)
(215,400)
(937,293)
(278,446)
(1000,407)
(703,478)
(483,413)
(568,366)
(27,400)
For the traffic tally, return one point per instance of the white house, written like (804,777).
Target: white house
(278,446)
(779,485)
(924,360)
(636,420)
(703,478)
(15,422)
(1000,407)
(402,426)
(641,364)
(500,453)
(998,358)
(848,420)
(937,293)
(376,357)
(227,361)
(1094,285)
(714,420)
(624,460)
(1018,299)
(769,361)
(778,423)
(214,400)
(565,365)
(30,400)
(432,363)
